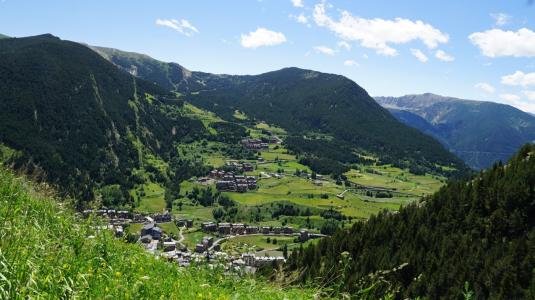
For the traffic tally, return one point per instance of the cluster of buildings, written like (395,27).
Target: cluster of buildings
(109,213)
(124,216)
(188,223)
(162,218)
(254,144)
(239,166)
(241,229)
(150,232)
(206,243)
(182,258)
(229,182)
(252,260)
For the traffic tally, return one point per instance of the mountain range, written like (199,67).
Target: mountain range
(481,133)
(305,103)
(96,122)
(81,118)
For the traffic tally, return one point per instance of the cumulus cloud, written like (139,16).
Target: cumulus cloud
(497,42)
(324,50)
(530,95)
(379,34)
(519,78)
(485,88)
(419,55)
(518,102)
(351,63)
(509,97)
(298,3)
(300,18)
(501,19)
(262,37)
(344,44)
(183,26)
(443,56)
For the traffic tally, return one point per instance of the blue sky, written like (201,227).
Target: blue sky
(477,49)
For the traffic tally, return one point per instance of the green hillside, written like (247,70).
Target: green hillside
(472,236)
(49,253)
(80,122)
(304,103)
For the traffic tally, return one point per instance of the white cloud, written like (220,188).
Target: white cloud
(497,42)
(509,97)
(262,37)
(519,78)
(324,50)
(530,95)
(501,19)
(378,33)
(351,63)
(301,18)
(443,56)
(298,3)
(183,26)
(485,88)
(522,104)
(419,55)
(344,44)
(365,56)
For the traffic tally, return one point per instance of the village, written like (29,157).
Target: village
(197,239)
(156,241)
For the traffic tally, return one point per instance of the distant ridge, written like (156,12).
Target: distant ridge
(479,132)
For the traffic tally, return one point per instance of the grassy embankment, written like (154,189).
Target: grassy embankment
(46,252)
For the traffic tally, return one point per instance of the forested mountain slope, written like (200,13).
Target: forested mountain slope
(479,232)
(479,132)
(330,110)
(79,119)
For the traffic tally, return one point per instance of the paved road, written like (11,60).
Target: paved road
(181,236)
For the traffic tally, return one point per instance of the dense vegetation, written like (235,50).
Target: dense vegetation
(301,101)
(481,133)
(480,232)
(80,121)
(46,253)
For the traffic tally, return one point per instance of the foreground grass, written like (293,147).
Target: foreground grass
(46,253)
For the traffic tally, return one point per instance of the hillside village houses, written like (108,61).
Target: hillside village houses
(228,181)
(254,144)
(155,241)
(261,144)
(252,260)
(242,229)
